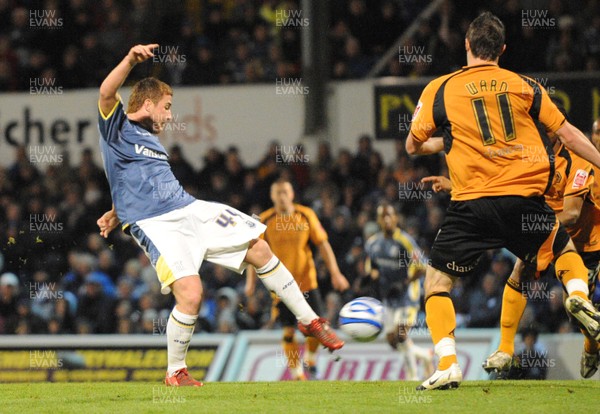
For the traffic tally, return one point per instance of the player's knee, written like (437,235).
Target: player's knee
(515,276)
(437,282)
(259,253)
(569,247)
(521,273)
(190,304)
(188,294)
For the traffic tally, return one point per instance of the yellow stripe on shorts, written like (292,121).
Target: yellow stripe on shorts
(164,272)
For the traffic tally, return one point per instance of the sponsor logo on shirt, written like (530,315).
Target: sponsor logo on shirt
(141,149)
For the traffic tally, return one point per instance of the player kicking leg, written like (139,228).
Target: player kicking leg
(175,230)
(227,237)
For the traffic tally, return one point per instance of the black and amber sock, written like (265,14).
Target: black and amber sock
(513,306)
(573,274)
(441,320)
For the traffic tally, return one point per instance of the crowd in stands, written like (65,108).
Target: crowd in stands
(75,43)
(60,276)
(57,275)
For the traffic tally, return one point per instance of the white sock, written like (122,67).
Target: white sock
(279,280)
(445,347)
(575,285)
(411,360)
(180,328)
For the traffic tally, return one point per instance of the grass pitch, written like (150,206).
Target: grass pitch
(301,397)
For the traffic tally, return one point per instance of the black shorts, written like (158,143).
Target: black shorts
(287,318)
(525,226)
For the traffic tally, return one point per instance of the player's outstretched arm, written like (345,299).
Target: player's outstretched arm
(114,80)
(577,142)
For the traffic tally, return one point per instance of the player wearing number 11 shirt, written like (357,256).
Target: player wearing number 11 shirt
(500,165)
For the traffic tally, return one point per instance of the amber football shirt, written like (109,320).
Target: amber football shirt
(488,119)
(289,236)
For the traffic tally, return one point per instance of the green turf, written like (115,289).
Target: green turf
(481,397)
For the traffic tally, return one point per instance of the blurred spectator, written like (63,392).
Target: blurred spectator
(251,317)
(26,322)
(246,41)
(532,358)
(202,69)
(131,286)
(95,312)
(551,314)
(9,294)
(227,301)
(485,304)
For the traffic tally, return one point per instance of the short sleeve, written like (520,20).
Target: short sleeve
(110,123)
(317,232)
(550,115)
(422,124)
(580,179)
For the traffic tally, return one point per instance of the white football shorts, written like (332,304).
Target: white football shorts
(178,241)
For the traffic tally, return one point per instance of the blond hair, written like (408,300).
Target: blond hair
(148,88)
